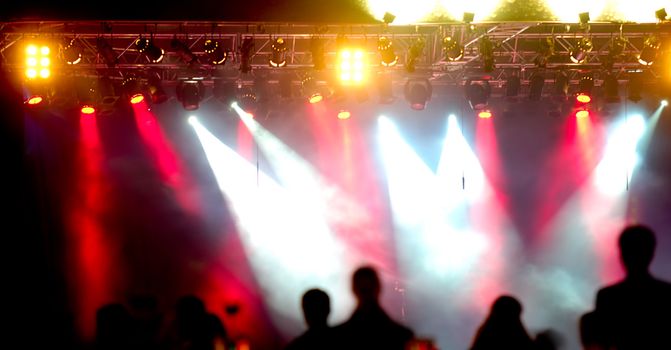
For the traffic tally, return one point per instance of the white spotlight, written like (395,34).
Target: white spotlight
(664,103)
(192,120)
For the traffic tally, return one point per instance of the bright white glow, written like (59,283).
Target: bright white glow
(31,50)
(620,156)
(482,9)
(459,171)
(287,243)
(664,103)
(638,11)
(234,105)
(193,120)
(44,50)
(405,11)
(568,10)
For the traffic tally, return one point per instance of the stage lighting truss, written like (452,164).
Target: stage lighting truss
(477,94)
(215,52)
(278,58)
(246,51)
(449,53)
(183,51)
(133,88)
(388,57)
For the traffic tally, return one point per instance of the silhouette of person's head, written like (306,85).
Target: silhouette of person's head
(506,307)
(366,285)
(316,307)
(637,248)
(189,307)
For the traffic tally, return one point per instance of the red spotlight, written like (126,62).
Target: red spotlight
(34,100)
(582,98)
(343,114)
(582,114)
(485,114)
(86,109)
(137,98)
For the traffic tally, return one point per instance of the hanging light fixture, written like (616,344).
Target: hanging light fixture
(578,54)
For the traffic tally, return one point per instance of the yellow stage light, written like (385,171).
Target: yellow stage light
(351,66)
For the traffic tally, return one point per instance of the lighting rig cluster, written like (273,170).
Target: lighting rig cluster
(97,63)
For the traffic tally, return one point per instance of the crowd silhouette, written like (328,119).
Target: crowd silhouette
(632,314)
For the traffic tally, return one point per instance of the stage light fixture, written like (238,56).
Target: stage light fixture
(583,113)
(156,90)
(536,83)
(664,103)
(454,51)
(318,54)
(279,49)
(486,114)
(388,18)
(351,66)
(586,84)
(634,87)
(106,51)
(146,46)
(468,17)
(246,48)
(88,110)
(385,91)
(661,14)
(183,51)
(416,50)
(388,57)
(418,92)
(190,93)
(546,49)
(513,84)
(611,89)
(561,85)
(486,53)
(224,91)
(34,100)
(133,89)
(107,95)
(215,52)
(578,54)
(248,101)
(38,62)
(71,52)
(477,94)
(649,51)
(584,18)
(583,98)
(310,89)
(344,114)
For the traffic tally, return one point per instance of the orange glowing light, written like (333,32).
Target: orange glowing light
(582,98)
(316,98)
(582,114)
(485,114)
(137,98)
(88,110)
(344,115)
(35,100)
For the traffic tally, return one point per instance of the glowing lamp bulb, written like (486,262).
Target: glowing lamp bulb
(344,115)
(582,114)
(88,110)
(137,98)
(485,114)
(664,103)
(582,98)
(316,98)
(35,100)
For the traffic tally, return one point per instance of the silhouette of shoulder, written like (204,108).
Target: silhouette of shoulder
(373,329)
(314,339)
